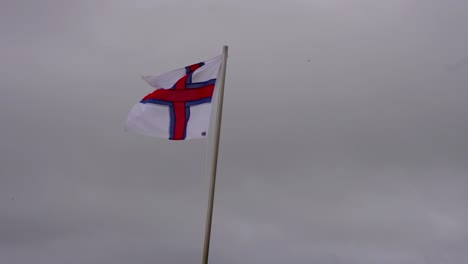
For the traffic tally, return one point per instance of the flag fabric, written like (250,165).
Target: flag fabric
(180,107)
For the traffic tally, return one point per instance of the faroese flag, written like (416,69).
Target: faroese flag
(180,107)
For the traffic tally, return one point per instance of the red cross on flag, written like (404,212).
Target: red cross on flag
(180,107)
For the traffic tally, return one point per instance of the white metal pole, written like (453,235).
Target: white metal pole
(214,164)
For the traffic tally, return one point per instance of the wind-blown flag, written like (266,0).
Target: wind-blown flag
(180,107)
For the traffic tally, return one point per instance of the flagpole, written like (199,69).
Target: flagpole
(214,163)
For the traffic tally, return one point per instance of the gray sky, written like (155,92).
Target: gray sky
(344,140)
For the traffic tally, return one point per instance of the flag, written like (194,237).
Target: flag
(180,107)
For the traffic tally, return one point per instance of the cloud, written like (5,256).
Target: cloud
(358,156)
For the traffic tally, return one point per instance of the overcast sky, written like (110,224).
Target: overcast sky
(344,138)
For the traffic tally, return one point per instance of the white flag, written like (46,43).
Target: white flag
(180,107)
